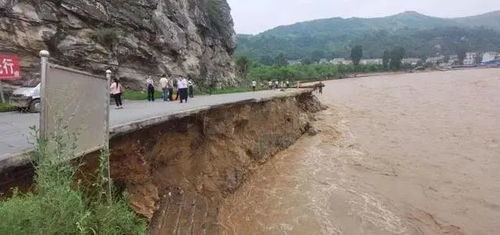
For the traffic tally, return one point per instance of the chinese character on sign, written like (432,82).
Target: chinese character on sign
(9,67)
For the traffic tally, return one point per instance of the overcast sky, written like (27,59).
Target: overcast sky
(255,16)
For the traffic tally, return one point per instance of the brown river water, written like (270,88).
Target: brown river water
(398,154)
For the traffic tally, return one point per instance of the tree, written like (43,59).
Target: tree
(243,64)
(306,61)
(356,54)
(397,55)
(479,58)
(317,55)
(280,60)
(461,53)
(461,49)
(266,60)
(386,59)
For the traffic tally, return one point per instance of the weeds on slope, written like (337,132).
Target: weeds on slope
(60,205)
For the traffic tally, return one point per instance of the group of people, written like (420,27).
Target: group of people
(272,84)
(173,89)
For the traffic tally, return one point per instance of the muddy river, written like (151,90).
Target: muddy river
(400,154)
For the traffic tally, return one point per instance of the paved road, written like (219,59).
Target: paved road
(16,136)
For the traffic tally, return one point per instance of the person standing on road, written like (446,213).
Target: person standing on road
(151,89)
(276,84)
(164,87)
(190,84)
(287,84)
(270,83)
(183,89)
(116,90)
(170,86)
(254,85)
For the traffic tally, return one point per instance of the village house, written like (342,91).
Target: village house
(435,60)
(490,56)
(371,61)
(340,61)
(411,61)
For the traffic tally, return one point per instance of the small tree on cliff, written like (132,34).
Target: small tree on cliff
(243,64)
(356,54)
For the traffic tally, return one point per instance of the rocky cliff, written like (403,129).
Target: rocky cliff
(135,38)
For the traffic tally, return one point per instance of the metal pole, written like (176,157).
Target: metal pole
(108,152)
(1,92)
(108,77)
(44,55)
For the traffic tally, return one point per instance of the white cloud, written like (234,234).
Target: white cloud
(254,16)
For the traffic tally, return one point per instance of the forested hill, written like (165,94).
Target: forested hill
(420,35)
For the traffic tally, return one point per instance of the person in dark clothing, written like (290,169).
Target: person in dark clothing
(171,89)
(151,89)
(176,88)
(190,88)
(183,89)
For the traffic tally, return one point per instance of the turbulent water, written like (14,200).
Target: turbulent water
(401,154)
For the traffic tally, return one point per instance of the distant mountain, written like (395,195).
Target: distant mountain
(420,35)
(489,20)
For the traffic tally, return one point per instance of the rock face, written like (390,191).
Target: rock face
(135,38)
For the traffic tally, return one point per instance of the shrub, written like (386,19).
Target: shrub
(59,205)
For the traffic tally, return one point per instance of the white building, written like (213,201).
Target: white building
(435,60)
(324,61)
(470,58)
(411,61)
(490,56)
(340,61)
(294,62)
(371,61)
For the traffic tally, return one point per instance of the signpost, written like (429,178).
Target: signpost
(9,70)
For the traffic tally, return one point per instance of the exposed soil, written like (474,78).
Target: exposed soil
(177,173)
(401,154)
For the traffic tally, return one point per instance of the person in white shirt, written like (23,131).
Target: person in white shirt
(254,85)
(164,87)
(270,83)
(190,88)
(182,85)
(287,84)
(151,89)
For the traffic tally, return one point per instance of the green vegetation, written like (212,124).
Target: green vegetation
(397,55)
(6,107)
(140,95)
(356,54)
(421,36)
(243,65)
(60,205)
(310,72)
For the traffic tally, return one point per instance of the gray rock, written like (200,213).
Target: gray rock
(135,38)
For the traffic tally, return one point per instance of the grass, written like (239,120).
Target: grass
(229,90)
(59,204)
(142,95)
(6,107)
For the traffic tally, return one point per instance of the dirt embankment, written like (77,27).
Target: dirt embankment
(177,173)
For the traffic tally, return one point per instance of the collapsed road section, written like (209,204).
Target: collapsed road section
(177,168)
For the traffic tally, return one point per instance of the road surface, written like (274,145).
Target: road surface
(401,154)
(16,135)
